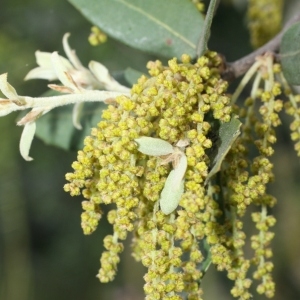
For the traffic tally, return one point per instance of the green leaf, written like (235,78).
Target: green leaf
(227,134)
(56,127)
(290,54)
(174,188)
(205,250)
(165,28)
(154,146)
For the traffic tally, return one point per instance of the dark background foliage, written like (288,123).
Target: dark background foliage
(43,253)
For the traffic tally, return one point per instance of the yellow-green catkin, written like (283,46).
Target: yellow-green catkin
(264,20)
(292,108)
(261,169)
(183,103)
(246,179)
(176,103)
(97,37)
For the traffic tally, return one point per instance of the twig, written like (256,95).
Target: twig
(242,65)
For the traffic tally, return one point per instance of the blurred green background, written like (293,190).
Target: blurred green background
(43,253)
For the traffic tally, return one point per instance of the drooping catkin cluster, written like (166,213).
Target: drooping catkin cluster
(264,20)
(175,104)
(246,178)
(246,172)
(180,104)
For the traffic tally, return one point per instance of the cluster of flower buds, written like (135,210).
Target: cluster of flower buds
(148,157)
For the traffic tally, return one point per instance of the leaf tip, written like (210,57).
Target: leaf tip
(26,140)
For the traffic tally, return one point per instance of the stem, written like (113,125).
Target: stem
(262,238)
(242,65)
(202,44)
(55,101)
(245,80)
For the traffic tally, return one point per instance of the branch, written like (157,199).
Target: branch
(241,66)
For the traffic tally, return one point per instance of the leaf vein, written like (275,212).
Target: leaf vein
(291,53)
(152,18)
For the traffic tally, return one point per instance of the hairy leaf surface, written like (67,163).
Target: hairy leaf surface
(290,54)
